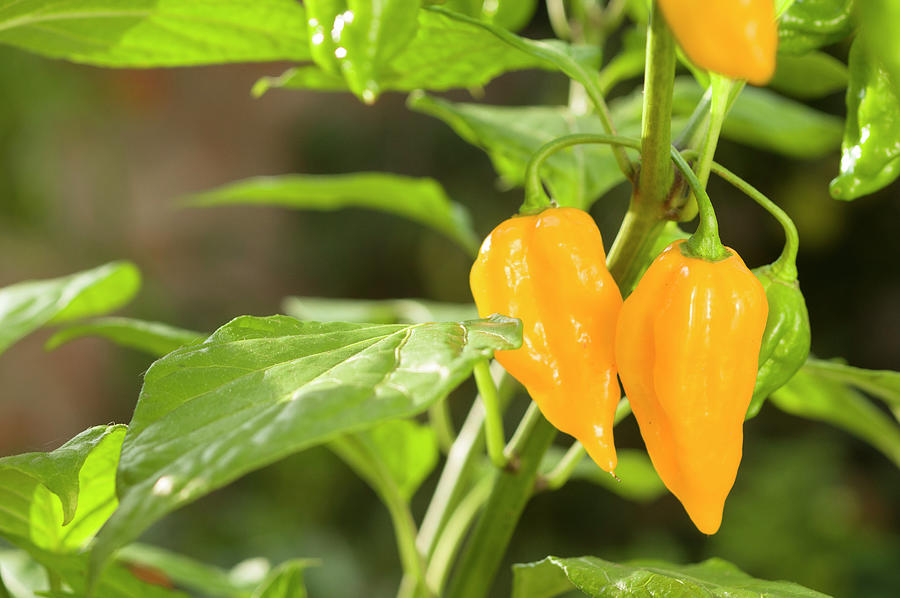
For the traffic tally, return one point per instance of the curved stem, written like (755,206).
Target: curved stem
(720,88)
(493,421)
(704,243)
(439,418)
(535,197)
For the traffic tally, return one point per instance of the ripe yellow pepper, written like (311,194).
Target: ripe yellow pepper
(687,349)
(549,270)
(737,38)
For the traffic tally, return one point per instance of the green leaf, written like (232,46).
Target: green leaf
(810,76)
(385,311)
(151,33)
(154,338)
(286,581)
(260,389)
(814,396)
(474,50)
(360,38)
(638,481)
(762,119)
(422,200)
(883,384)
(22,575)
(810,24)
(576,176)
(602,579)
(26,306)
(870,152)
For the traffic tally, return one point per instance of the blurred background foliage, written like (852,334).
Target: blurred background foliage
(91,162)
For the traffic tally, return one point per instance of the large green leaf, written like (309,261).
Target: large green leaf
(812,395)
(26,306)
(154,338)
(884,384)
(420,199)
(763,119)
(637,480)
(810,24)
(597,578)
(260,389)
(449,51)
(576,176)
(384,311)
(146,33)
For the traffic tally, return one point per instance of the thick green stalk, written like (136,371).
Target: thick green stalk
(493,420)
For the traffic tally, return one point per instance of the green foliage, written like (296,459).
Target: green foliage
(602,579)
(286,581)
(150,33)
(810,24)
(809,76)
(637,480)
(422,200)
(386,311)
(260,389)
(154,338)
(26,306)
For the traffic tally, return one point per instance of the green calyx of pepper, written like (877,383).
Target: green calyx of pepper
(786,340)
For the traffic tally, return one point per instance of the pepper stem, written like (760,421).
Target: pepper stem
(493,421)
(704,243)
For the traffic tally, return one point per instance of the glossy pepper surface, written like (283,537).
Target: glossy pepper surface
(687,349)
(737,38)
(549,270)
(786,340)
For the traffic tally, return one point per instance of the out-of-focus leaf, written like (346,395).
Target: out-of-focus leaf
(154,338)
(814,396)
(576,176)
(26,306)
(149,33)
(637,481)
(884,384)
(422,200)
(260,389)
(762,119)
(386,311)
(810,24)
(448,52)
(810,76)
(602,579)
(286,581)
(23,576)
(870,152)
(360,38)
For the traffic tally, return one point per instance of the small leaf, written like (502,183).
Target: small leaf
(810,76)
(26,306)
(154,338)
(810,24)
(422,200)
(286,581)
(260,389)
(147,33)
(385,311)
(638,481)
(884,384)
(602,579)
(813,396)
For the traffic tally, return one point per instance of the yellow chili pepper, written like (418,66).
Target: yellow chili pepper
(737,38)
(549,270)
(687,349)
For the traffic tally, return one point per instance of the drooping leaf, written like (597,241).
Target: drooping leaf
(385,311)
(603,579)
(358,39)
(884,384)
(638,481)
(149,33)
(260,389)
(286,581)
(448,52)
(811,24)
(576,176)
(814,396)
(762,119)
(422,200)
(154,338)
(809,76)
(26,306)
(870,152)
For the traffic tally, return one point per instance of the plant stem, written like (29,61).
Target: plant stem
(487,545)
(493,421)
(439,417)
(720,88)
(704,243)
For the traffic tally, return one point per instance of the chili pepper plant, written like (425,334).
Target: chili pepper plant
(663,321)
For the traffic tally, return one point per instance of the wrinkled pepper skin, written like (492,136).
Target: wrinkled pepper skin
(687,349)
(737,38)
(549,270)
(785,344)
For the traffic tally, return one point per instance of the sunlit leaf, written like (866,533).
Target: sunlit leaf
(286,581)
(384,311)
